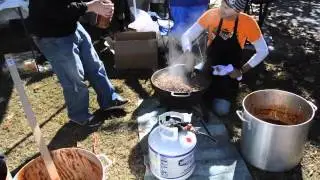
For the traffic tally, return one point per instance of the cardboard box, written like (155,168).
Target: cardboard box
(136,50)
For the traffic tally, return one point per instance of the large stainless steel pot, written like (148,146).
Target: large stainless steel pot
(274,147)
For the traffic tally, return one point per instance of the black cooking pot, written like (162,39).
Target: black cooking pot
(180,99)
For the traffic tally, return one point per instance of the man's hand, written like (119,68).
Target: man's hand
(102,7)
(236,74)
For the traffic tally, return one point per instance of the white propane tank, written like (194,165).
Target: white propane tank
(171,152)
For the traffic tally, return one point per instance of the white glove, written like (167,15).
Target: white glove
(239,78)
(221,70)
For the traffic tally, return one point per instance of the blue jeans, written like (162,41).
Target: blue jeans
(221,107)
(185,16)
(74,59)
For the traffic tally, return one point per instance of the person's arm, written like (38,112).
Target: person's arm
(195,30)
(261,53)
(190,35)
(255,37)
(60,10)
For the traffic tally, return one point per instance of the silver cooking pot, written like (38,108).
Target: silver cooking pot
(274,129)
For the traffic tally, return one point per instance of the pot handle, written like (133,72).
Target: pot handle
(314,107)
(240,115)
(163,117)
(175,94)
(105,161)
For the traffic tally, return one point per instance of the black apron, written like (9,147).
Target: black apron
(223,52)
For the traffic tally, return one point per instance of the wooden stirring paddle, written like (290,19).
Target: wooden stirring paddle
(51,168)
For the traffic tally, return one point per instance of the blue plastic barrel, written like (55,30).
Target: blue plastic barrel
(185,12)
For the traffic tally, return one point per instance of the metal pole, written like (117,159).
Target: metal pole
(135,9)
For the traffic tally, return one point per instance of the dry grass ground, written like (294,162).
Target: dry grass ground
(293,66)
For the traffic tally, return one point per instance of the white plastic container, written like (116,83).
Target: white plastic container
(171,153)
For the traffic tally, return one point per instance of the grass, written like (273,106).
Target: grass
(295,58)
(117,136)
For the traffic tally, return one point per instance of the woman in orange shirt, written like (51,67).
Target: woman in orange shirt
(228,29)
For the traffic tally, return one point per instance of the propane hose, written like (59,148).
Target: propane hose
(173,122)
(189,127)
(206,135)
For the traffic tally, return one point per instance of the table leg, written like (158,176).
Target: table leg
(247,7)
(27,34)
(264,14)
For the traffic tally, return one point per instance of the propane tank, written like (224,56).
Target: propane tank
(171,151)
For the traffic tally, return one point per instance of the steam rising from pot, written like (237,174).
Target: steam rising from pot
(176,56)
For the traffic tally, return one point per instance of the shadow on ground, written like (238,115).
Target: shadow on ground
(69,134)
(6,88)
(136,161)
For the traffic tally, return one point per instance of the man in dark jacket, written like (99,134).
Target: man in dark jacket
(68,47)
